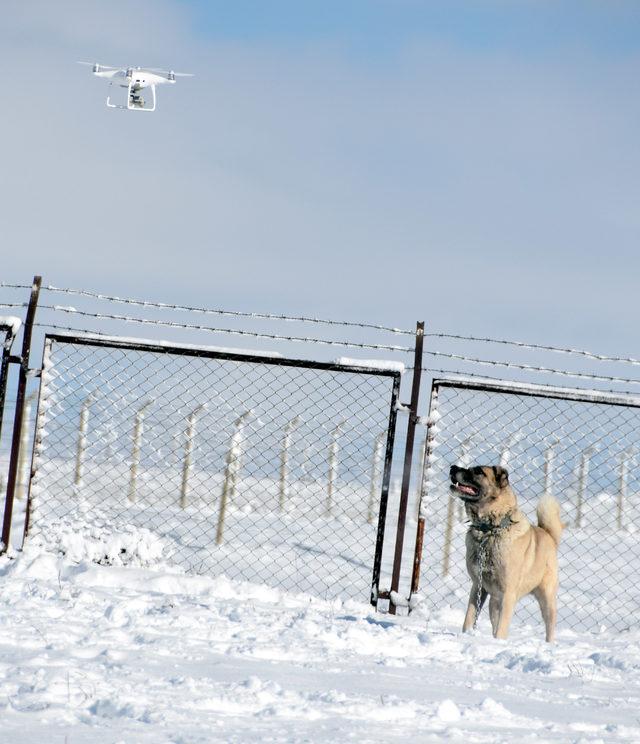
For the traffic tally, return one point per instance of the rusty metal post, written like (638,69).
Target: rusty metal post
(428,451)
(19,413)
(376,594)
(408,459)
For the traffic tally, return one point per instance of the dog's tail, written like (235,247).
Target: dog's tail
(548,512)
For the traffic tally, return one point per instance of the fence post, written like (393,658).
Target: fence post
(234,460)
(82,440)
(333,467)
(188,448)
(453,504)
(510,443)
(19,413)
(429,444)
(408,459)
(465,462)
(23,477)
(582,482)
(5,354)
(284,461)
(625,457)
(135,453)
(549,460)
(376,460)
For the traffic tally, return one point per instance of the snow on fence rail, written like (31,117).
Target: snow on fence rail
(273,485)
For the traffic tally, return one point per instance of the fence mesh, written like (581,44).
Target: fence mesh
(6,341)
(583,451)
(261,470)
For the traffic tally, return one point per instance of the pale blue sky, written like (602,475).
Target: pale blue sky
(474,164)
(377,29)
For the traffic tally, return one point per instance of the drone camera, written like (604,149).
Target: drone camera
(96,67)
(171,76)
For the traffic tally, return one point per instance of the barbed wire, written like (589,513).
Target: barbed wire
(537,347)
(308,319)
(533,368)
(230,313)
(12,304)
(229,331)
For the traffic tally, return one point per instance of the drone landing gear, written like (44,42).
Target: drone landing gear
(135,101)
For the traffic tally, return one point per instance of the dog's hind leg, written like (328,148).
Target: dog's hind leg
(546,596)
(470,617)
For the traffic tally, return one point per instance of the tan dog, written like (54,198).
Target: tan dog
(516,558)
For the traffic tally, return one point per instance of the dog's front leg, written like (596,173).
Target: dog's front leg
(507,606)
(470,617)
(494,612)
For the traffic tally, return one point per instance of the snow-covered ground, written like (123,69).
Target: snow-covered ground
(147,653)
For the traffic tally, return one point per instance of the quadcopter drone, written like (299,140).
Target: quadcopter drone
(135,80)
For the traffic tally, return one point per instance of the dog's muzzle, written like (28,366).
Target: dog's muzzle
(464,491)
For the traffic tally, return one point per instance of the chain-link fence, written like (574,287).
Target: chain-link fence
(579,446)
(261,469)
(7,332)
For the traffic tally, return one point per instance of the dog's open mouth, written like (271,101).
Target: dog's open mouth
(469,491)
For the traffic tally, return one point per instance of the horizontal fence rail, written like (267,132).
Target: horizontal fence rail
(261,468)
(580,447)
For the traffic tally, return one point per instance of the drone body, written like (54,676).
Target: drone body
(135,80)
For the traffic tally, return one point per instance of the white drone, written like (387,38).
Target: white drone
(135,80)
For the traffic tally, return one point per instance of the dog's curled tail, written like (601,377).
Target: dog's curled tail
(548,513)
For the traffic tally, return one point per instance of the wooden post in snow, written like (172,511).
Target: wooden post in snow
(232,470)
(188,451)
(284,462)
(138,429)
(333,467)
(81,446)
(376,461)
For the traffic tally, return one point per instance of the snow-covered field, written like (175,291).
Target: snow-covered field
(122,621)
(146,653)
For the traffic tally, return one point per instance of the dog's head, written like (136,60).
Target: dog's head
(482,485)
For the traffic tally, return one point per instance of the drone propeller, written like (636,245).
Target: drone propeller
(169,72)
(102,67)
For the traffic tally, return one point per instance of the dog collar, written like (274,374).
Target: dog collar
(488,526)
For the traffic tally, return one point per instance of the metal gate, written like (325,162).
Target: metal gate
(579,445)
(260,468)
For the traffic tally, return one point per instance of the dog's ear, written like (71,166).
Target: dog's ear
(501,475)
